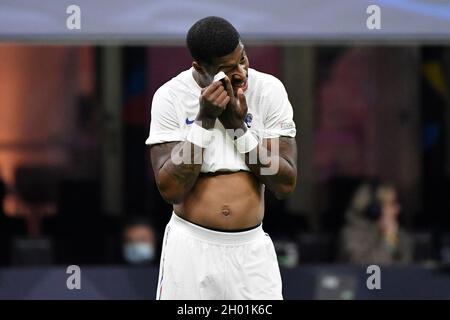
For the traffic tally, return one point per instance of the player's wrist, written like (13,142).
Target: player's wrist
(245,141)
(240,129)
(237,125)
(205,122)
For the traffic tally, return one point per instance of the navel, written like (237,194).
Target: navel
(226,210)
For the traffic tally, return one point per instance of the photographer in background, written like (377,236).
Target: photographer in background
(372,234)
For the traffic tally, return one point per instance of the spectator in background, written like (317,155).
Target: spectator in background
(138,242)
(372,234)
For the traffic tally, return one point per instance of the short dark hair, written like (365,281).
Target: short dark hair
(211,37)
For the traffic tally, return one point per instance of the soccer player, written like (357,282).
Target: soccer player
(215,146)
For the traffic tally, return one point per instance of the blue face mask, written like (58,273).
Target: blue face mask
(138,252)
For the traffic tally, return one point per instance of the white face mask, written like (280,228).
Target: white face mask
(138,252)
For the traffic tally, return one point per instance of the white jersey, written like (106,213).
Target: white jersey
(176,104)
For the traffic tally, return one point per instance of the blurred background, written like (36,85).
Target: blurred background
(372,109)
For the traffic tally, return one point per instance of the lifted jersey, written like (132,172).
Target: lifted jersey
(176,104)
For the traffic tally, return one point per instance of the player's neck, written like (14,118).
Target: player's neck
(199,79)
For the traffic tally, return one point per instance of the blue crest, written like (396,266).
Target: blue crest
(248,119)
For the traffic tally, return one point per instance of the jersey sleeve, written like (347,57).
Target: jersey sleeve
(278,120)
(164,125)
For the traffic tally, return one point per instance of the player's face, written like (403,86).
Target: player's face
(234,65)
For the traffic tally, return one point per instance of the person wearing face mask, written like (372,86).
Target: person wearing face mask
(139,247)
(373,234)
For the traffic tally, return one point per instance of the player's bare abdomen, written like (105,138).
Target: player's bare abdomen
(224,201)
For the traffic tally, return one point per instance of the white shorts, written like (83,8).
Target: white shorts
(198,263)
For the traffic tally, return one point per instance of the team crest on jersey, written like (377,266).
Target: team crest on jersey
(248,120)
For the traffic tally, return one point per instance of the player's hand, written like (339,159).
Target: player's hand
(236,110)
(213,102)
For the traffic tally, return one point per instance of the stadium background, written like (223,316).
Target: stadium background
(75,112)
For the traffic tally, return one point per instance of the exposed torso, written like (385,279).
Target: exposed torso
(224,201)
(226,195)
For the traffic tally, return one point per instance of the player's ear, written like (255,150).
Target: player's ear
(198,67)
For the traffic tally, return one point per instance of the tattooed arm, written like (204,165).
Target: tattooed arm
(176,175)
(175,180)
(274,162)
